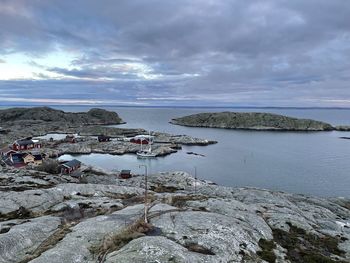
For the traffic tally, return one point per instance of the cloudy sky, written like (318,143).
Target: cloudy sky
(183,52)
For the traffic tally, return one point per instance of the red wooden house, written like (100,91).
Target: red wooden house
(125,174)
(70,167)
(25,144)
(142,139)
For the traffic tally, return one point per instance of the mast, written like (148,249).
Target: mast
(150,141)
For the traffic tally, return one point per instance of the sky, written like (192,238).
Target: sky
(278,53)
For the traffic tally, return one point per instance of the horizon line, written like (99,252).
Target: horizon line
(175,106)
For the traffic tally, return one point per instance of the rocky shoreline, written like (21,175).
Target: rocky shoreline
(54,218)
(163,145)
(254,121)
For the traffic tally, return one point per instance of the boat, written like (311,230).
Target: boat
(146,154)
(142,153)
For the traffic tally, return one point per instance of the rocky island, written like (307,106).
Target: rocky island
(46,114)
(100,218)
(252,121)
(19,123)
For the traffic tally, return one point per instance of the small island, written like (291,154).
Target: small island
(251,121)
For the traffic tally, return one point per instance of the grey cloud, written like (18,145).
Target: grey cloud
(255,52)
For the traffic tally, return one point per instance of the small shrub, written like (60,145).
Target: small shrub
(266,252)
(50,166)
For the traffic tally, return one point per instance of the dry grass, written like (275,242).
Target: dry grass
(116,241)
(21,213)
(199,249)
(159,188)
(181,200)
(49,243)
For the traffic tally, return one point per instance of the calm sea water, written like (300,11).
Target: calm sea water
(313,163)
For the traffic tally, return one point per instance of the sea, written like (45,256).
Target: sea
(309,163)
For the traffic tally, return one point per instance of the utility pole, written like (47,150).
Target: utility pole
(146,208)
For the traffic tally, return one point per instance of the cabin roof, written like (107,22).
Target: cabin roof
(24,142)
(72,163)
(104,137)
(18,155)
(17,159)
(37,157)
(125,171)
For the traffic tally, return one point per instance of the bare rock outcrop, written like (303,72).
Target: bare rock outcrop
(251,121)
(189,220)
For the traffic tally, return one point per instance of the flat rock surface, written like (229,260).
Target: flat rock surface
(156,249)
(75,246)
(25,237)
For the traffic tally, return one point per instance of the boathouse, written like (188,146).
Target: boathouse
(70,167)
(125,174)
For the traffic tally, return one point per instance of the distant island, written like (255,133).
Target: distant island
(47,114)
(254,121)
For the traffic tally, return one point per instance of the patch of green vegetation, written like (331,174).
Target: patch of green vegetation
(266,252)
(50,166)
(306,247)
